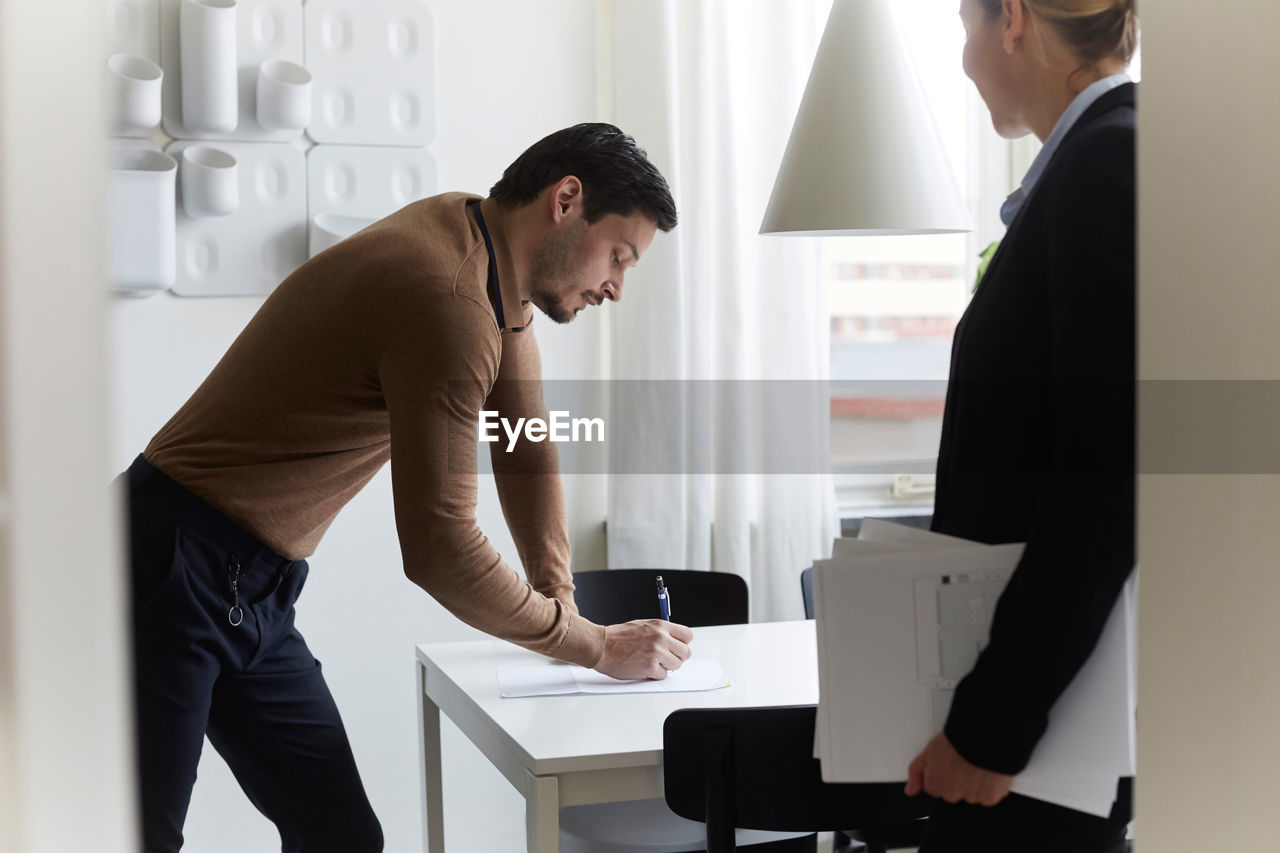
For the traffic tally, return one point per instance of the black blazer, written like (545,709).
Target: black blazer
(1038,432)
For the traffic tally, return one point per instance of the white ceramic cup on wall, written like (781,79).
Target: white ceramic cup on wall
(210,182)
(133,93)
(328,229)
(207,41)
(141,247)
(284,95)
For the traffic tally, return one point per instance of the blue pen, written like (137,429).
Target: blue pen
(664,600)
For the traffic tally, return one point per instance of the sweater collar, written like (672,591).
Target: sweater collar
(515,312)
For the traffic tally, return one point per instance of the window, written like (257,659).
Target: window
(894,301)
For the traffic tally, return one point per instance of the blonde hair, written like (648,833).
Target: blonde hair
(1093,30)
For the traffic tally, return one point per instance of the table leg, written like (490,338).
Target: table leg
(429,715)
(542,813)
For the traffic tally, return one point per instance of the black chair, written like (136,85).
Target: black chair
(611,596)
(806,591)
(753,768)
(697,599)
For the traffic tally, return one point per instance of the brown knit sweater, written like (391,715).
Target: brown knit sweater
(386,346)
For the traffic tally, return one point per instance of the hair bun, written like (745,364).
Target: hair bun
(1092,29)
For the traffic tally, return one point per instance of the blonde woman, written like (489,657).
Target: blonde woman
(1038,432)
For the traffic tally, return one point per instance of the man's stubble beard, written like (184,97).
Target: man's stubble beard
(552,276)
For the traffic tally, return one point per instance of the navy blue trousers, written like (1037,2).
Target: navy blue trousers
(216,653)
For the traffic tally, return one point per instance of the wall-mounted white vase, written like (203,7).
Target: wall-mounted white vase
(210,182)
(327,229)
(133,94)
(141,254)
(207,44)
(284,95)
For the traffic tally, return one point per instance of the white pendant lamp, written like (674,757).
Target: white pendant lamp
(864,155)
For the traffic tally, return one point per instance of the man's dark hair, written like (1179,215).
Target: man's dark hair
(616,174)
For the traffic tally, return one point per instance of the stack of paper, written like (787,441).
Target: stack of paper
(902,615)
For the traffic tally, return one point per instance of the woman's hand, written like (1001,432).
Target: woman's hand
(941,771)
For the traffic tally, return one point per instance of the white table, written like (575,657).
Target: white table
(573,750)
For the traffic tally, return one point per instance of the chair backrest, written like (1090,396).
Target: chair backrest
(610,596)
(806,591)
(753,768)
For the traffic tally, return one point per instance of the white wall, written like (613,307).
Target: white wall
(508,72)
(1209,685)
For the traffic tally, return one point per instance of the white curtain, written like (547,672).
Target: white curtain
(729,328)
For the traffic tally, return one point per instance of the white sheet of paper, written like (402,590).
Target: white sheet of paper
(1083,712)
(845,548)
(880,530)
(1092,794)
(876,710)
(897,540)
(882,665)
(516,682)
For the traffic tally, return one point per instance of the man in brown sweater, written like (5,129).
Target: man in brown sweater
(385,347)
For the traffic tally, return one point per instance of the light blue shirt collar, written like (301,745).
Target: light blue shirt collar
(1082,102)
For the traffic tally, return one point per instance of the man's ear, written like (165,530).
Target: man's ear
(566,199)
(1015,24)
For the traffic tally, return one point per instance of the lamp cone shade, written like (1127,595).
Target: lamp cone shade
(864,155)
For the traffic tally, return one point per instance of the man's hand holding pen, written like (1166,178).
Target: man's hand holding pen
(644,648)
